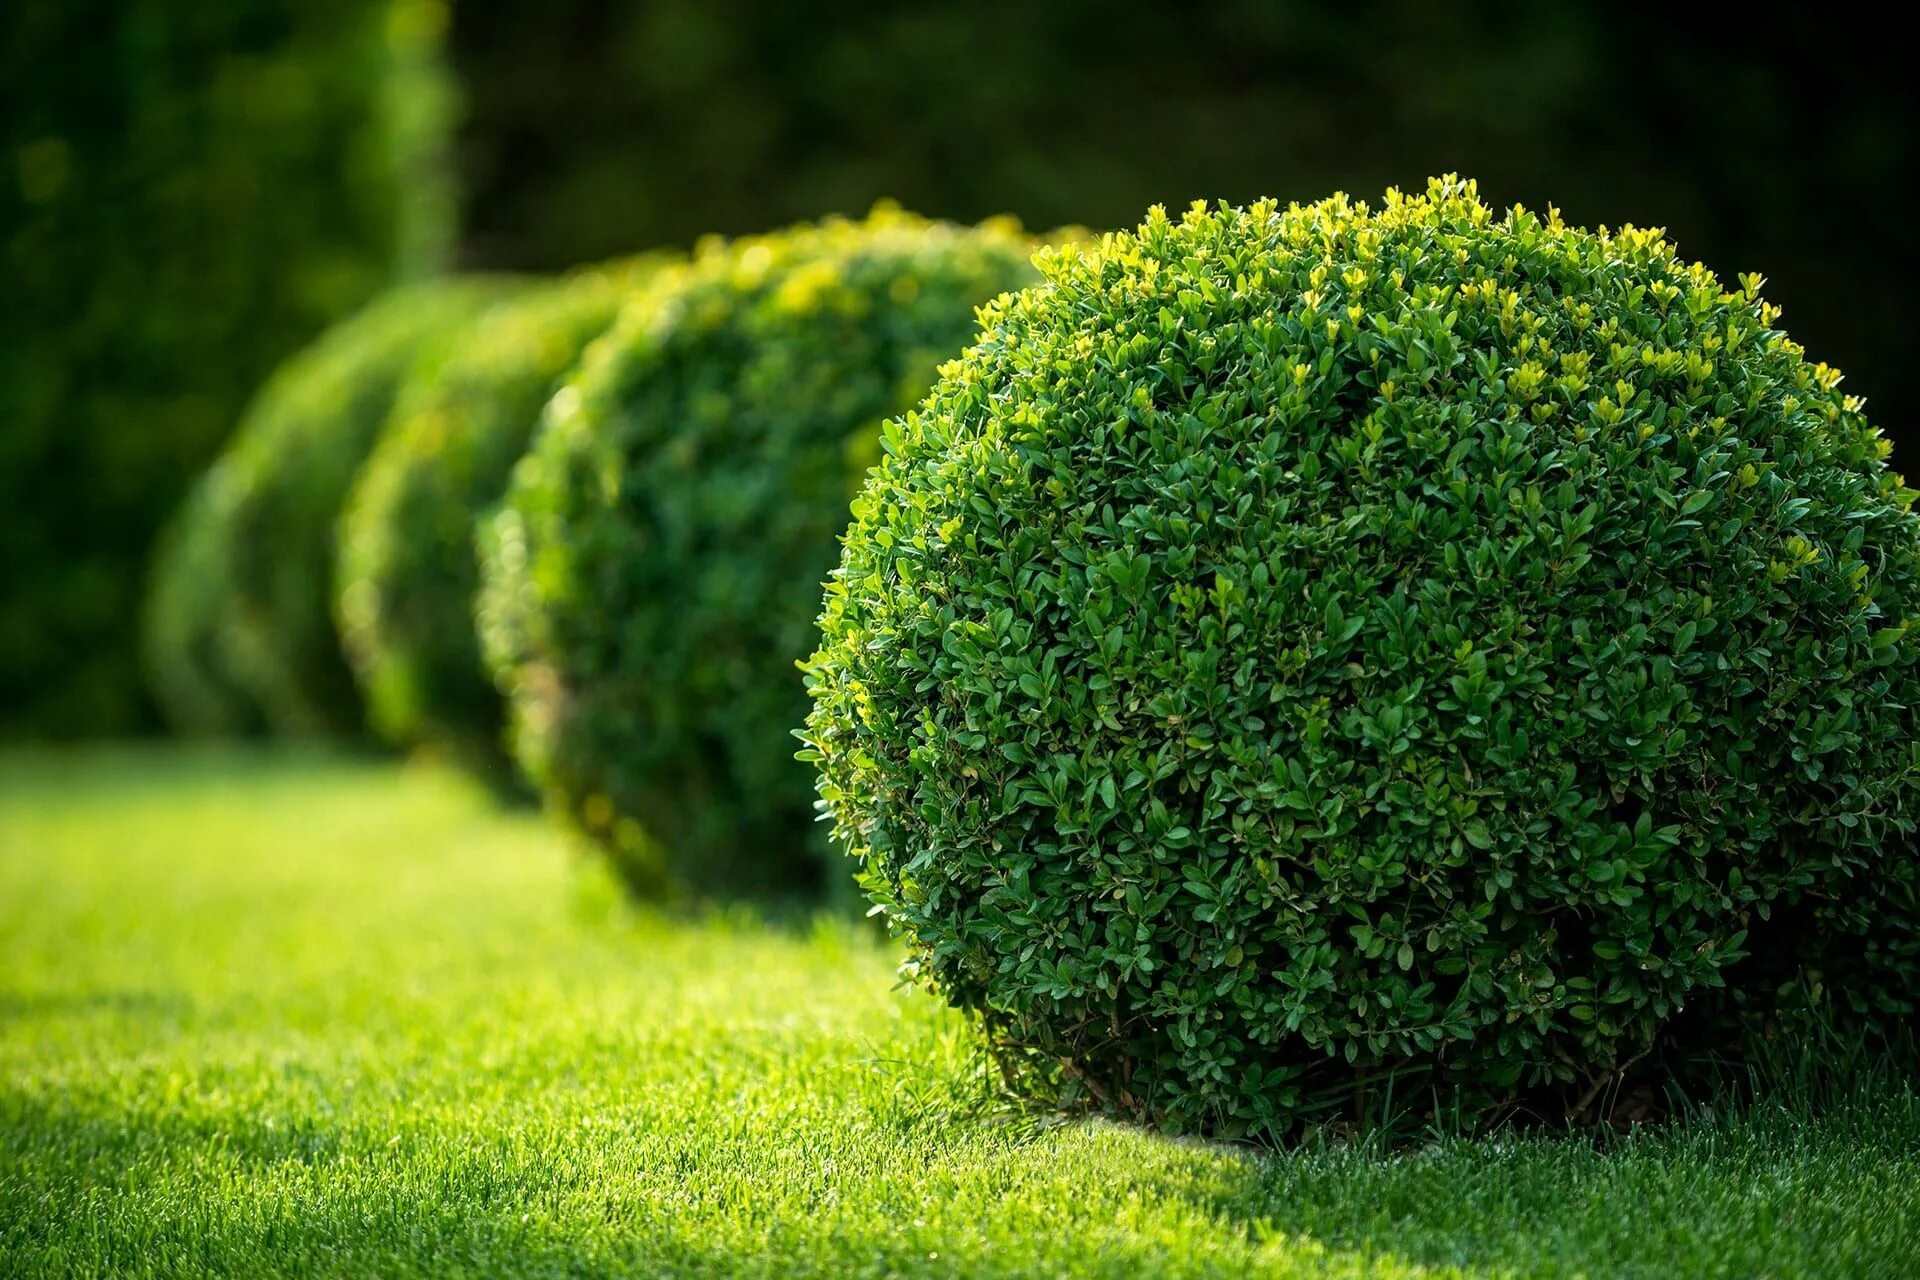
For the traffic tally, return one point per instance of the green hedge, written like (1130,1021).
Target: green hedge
(654,575)
(193,191)
(241,614)
(183,620)
(407,567)
(1322,654)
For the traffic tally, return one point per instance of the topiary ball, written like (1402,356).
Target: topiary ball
(180,632)
(257,537)
(407,568)
(652,579)
(1308,656)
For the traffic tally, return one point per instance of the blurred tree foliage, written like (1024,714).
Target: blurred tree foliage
(188,192)
(1761,139)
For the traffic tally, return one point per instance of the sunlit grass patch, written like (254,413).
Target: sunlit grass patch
(302,1015)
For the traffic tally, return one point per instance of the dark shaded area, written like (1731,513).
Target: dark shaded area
(187,193)
(1713,1192)
(1769,138)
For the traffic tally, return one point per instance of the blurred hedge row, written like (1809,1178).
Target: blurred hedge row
(190,192)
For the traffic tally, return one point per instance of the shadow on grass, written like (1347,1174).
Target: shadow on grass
(219,1195)
(217,1190)
(39,1006)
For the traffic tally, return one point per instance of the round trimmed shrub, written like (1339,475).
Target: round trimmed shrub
(652,580)
(1323,657)
(257,536)
(186,671)
(407,569)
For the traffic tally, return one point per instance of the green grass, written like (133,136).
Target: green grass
(271,1015)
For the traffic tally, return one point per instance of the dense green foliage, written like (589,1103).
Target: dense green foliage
(407,570)
(242,599)
(191,192)
(654,576)
(185,612)
(1309,652)
(281,1017)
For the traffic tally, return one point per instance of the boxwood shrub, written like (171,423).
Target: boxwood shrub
(187,671)
(407,569)
(652,580)
(242,597)
(1307,656)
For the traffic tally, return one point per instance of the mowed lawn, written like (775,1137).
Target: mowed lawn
(267,1014)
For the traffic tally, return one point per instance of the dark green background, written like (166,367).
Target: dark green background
(210,217)
(1774,138)
(189,189)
